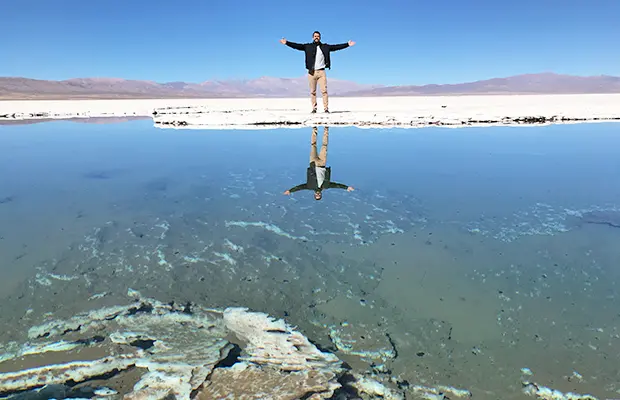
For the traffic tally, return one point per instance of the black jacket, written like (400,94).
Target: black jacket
(310,50)
(313,184)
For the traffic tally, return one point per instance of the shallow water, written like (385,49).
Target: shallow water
(460,258)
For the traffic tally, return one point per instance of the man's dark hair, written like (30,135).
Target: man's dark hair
(316,32)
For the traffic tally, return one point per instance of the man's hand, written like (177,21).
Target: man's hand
(288,192)
(350,189)
(283,41)
(351,43)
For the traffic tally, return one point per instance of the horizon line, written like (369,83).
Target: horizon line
(301,76)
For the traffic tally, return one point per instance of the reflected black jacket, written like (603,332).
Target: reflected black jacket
(313,184)
(310,50)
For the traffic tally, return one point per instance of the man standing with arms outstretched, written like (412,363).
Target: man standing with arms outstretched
(317,60)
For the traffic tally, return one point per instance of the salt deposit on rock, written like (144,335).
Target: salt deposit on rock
(545,393)
(266,113)
(270,341)
(539,391)
(440,392)
(174,351)
(370,386)
(367,342)
(152,350)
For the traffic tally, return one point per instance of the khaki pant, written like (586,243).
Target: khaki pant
(319,159)
(320,77)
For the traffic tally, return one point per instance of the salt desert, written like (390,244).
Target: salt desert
(367,111)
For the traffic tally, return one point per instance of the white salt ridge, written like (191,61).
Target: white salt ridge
(46,347)
(314,232)
(84,321)
(545,393)
(438,393)
(105,392)
(225,257)
(62,109)
(346,345)
(62,277)
(39,348)
(576,376)
(42,280)
(192,259)
(269,227)
(232,246)
(541,219)
(403,111)
(274,342)
(268,258)
(357,234)
(8,351)
(165,226)
(398,112)
(98,296)
(372,387)
(59,373)
(162,260)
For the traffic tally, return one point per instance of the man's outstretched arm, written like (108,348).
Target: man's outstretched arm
(296,46)
(336,47)
(336,185)
(296,188)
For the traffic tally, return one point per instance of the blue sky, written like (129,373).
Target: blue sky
(398,42)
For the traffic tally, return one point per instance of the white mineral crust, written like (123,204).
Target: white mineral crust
(262,113)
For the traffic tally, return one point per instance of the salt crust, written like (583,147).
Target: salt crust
(414,111)
(178,351)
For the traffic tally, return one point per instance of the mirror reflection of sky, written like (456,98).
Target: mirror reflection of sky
(455,174)
(204,213)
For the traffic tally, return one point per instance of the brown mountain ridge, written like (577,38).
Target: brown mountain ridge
(18,88)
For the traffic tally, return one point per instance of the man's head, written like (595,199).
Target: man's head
(316,36)
(318,195)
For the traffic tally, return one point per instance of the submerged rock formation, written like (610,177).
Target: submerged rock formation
(602,217)
(148,349)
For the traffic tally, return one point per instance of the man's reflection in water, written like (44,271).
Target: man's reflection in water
(318,176)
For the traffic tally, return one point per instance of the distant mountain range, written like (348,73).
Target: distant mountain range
(15,88)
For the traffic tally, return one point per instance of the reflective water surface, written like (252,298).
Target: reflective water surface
(461,257)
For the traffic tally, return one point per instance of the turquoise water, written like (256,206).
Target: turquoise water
(463,252)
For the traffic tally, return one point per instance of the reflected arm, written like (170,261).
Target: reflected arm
(298,188)
(335,185)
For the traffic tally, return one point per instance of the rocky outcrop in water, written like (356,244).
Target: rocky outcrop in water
(148,349)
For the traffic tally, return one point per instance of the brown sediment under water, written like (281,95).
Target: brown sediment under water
(484,260)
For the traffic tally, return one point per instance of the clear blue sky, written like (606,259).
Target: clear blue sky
(398,42)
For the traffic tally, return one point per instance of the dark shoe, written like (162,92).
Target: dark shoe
(327,111)
(313,111)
